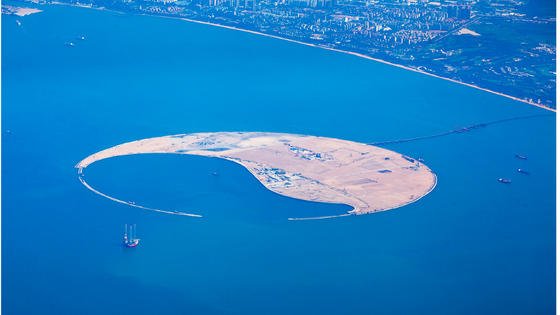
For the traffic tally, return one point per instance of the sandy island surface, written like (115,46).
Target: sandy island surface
(466,31)
(19,11)
(366,177)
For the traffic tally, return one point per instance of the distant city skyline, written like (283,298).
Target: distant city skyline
(494,45)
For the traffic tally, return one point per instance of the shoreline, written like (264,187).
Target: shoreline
(80,169)
(309,168)
(365,57)
(347,52)
(95,191)
(351,212)
(19,11)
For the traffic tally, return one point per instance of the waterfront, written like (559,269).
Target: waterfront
(471,246)
(507,50)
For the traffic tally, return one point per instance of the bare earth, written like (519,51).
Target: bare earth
(466,31)
(19,11)
(368,178)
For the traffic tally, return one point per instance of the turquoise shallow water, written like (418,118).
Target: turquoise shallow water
(471,246)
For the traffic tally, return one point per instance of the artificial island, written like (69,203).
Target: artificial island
(365,177)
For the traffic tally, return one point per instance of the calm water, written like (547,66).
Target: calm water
(472,246)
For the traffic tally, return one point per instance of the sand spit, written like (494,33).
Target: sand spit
(19,11)
(466,31)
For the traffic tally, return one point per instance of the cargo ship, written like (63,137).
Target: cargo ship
(129,238)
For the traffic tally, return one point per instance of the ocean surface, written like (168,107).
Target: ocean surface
(472,246)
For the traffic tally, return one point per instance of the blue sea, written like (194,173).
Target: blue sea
(472,246)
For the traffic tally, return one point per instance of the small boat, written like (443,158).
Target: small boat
(18,23)
(521,157)
(129,238)
(504,180)
(522,171)
(70,44)
(82,37)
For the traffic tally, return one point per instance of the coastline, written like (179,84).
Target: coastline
(26,11)
(95,191)
(19,11)
(365,57)
(359,55)
(302,167)
(352,212)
